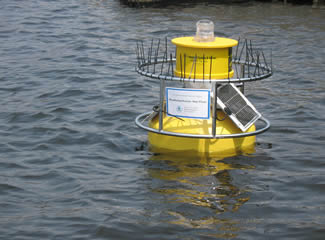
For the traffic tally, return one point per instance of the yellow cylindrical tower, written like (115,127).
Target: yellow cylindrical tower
(204,60)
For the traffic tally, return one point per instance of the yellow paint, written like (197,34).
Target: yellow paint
(204,59)
(217,43)
(199,146)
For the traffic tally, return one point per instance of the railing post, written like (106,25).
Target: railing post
(161,104)
(242,75)
(214,108)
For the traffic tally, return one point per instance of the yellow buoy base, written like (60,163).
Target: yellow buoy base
(223,147)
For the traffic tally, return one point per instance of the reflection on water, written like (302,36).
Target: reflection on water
(206,184)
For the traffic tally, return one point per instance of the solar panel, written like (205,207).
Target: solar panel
(240,110)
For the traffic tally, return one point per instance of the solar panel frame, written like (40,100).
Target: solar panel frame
(234,103)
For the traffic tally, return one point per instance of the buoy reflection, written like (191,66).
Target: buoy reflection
(202,189)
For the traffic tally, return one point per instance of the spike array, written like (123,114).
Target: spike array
(249,63)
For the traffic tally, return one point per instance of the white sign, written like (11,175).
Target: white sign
(188,103)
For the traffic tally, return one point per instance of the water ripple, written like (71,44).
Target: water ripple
(74,166)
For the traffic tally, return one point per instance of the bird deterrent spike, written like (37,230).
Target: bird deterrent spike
(241,51)
(181,62)
(237,48)
(171,62)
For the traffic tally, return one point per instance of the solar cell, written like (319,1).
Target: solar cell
(240,110)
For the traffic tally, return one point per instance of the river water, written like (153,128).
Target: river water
(73,164)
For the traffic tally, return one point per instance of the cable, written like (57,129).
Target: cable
(155,108)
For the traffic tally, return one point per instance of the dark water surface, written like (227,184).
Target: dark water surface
(74,166)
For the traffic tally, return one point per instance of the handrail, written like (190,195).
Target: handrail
(141,69)
(140,118)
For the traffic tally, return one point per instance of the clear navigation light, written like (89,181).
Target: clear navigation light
(204,31)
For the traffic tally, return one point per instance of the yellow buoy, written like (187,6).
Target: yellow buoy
(189,120)
(201,57)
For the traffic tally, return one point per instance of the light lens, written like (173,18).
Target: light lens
(204,31)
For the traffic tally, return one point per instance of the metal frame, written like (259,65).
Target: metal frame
(142,117)
(141,69)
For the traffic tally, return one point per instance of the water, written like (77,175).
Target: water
(74,166)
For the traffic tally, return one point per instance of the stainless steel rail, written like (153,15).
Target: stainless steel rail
(140,119)
(142,70)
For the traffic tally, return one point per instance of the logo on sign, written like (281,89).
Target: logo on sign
(179,109)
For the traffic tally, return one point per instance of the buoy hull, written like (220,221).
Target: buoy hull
(221,147)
